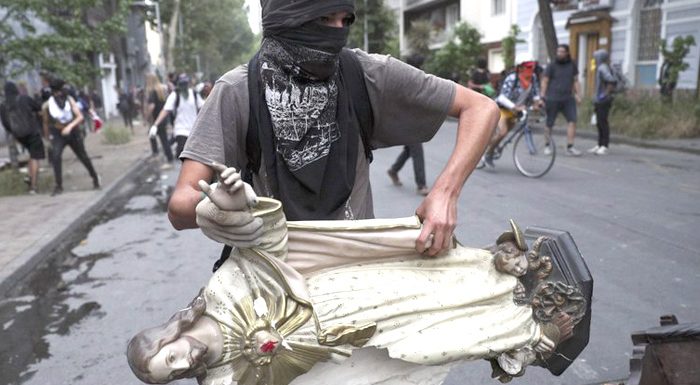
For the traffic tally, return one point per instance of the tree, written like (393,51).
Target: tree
(508,43)
(213,37)
(382,31)
(456,59)
(674,63)
(419,37)
(77,30)
(550,34)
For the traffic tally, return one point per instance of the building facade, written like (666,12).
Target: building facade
(629,29)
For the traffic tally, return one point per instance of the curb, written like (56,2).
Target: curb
(23,264)
(634,142)
(620,139)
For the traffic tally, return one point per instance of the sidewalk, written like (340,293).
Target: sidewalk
(688,145)
(34,227)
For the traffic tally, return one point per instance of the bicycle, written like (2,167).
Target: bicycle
(530,154)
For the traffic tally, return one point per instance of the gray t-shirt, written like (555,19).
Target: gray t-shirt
(408,107)
(561,80)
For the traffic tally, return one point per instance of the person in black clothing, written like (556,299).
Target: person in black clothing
(156,94)
(125,107)
(62,119)
(561,93)
(19,115)
(414,151)
(480,79)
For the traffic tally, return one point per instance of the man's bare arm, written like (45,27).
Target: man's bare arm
(545,84)
(478,115)
(181,208)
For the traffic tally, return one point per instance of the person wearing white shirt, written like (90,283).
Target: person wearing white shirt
(184,104)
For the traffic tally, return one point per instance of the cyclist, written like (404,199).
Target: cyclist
(520,88)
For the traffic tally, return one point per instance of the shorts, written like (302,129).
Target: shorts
(34,145)
(508,115)
(566,107)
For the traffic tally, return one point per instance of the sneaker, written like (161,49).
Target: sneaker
(573,151)
(96,182)
(394,178)
(593,150)
(167,166)
(32,191)
(488,160)
(423,190)
(602,150)
(57,191)
(547,150)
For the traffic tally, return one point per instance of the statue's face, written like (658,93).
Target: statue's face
(510,260)
(178,359)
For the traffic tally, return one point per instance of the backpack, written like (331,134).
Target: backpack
(621,83)
(177,104)
(21,123)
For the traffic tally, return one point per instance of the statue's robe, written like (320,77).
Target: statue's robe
(332,286)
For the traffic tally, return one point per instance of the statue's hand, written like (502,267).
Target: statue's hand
(224,214)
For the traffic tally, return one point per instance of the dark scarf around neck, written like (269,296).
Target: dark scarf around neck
(308,133)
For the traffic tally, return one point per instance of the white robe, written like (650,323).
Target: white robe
(427,311)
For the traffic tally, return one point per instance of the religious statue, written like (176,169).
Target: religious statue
(312,291)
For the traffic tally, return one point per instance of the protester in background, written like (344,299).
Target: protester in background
(156,94)
(561,92)
(62,117)
(519,90)
(96,101)
(480,79)
(183,104)
(602,99)
(413,151)
(19,117)
(125,107)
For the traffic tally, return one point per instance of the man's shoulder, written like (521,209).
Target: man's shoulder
(236,76)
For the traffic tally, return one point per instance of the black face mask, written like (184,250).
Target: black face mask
(564,60)
(315,48)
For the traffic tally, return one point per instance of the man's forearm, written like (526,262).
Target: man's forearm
(478,115)
(163,113)
(545,83)
(182,204)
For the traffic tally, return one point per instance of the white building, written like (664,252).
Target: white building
(629,29)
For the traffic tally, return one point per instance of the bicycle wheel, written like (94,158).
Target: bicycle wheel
(530,153)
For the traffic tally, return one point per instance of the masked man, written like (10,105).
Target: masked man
(302,117)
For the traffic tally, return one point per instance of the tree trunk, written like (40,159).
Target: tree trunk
(172,35)
(550,34)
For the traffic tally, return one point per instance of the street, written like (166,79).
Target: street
(632,214)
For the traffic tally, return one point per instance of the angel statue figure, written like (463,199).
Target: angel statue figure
(305,292)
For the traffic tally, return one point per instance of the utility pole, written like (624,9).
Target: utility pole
(550,34)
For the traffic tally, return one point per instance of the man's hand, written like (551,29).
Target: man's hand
(520,108)
(439,221)
(224,214)
(153,131)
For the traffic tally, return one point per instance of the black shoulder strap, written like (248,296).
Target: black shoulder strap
(252,139)
(354,81)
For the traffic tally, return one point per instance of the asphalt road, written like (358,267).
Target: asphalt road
(632,213)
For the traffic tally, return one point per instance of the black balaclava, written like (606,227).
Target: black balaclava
(308,134)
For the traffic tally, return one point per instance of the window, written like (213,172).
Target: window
(649,34)
(498,7)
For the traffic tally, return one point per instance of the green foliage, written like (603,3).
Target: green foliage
(675,56)
(645,116)
(508,43)
(456,59)
(116,135)
(382,31)
(13,182)
(419,37)
(79,30)
(216,31)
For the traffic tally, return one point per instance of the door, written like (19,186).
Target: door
(591,46)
